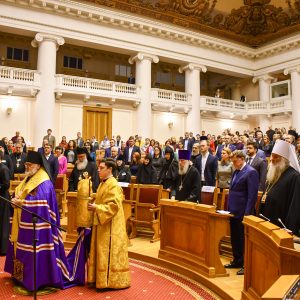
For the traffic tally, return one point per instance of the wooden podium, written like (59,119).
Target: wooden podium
(269,253)
(190,236)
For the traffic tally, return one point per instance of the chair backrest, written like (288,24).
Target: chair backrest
(22,176)
(209,196)
(224,199)
(148,193)
(133,179)
(60,183)
(257,204)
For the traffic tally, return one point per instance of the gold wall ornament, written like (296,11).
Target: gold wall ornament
(256,17)
(254,23)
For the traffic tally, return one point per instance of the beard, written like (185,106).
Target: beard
(32,171)
(276,170)
(81,165)
(184,169)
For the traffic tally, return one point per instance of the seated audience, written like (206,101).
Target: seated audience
(89,147)
(63,144)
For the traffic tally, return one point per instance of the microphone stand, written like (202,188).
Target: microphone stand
(35,218)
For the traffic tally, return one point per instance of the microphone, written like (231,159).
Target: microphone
(284,227)
(264,217)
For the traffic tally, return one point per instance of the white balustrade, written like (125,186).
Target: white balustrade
(252,107)
(96,87)
(17,74)
(161,96)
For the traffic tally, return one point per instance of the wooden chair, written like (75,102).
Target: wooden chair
(147,210)
(258,201)
(224,199)
(210,198)
(128,205)
(21,176)
(13,185)
(133,179)
(61,189)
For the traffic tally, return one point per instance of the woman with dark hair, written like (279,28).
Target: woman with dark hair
(169,172)
(146,173)
(136,161)
(63,144)
(157,160)
(267,146)
(71,153)
(89,147)
(62,160)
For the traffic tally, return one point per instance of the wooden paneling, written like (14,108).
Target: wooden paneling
(96,122)
(190,236)
(269,253)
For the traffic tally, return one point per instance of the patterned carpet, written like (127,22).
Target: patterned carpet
(149,282)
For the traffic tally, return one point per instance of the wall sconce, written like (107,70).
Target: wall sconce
(170,125)
(9,110)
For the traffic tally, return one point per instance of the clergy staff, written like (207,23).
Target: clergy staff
(282,194)
(187,185)
(83,164)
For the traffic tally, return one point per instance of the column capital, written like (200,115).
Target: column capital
(41,37)
(141,56)
(291,69)
(265,77)
(191,67)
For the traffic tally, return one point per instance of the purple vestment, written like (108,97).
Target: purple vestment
(53,268)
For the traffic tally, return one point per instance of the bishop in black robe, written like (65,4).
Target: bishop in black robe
(283,201)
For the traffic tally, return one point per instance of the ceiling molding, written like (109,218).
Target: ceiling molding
(113,18)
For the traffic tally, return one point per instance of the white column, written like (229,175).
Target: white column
(143,63)
(236,91)
(295,87)
(44,115)
(264,96)
(192,87)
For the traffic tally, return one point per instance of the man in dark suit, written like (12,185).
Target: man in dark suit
(79,140)
(227,144)
(207,165)
(188,142)
(241,202)
(256,162)
(108,151)
(52,161)
(129,150)
(259,139)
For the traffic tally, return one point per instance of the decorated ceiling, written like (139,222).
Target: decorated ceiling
(251,22)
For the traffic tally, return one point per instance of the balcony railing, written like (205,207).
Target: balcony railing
(27,82)
(16,81)
(248,108)
(96,87)
(160,96)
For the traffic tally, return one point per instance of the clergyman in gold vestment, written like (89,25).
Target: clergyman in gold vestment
(108,262)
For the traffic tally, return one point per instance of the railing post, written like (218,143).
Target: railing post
(11,74)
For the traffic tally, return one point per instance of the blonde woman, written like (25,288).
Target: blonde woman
(225,170)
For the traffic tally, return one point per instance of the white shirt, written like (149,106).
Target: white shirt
(129,153)
(203,164)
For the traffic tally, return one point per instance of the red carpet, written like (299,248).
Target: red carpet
(149,282)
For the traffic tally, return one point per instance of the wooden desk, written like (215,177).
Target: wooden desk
(190,236)
(269,253)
